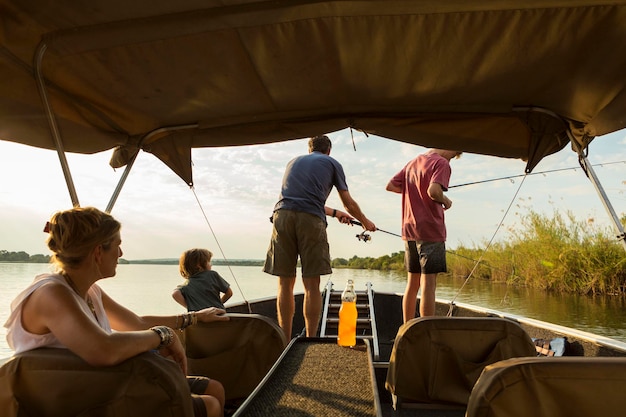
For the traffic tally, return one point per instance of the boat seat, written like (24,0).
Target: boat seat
(555,386)
(50,382)
(238,352)
(435,361)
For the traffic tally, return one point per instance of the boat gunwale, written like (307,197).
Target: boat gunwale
(600,340)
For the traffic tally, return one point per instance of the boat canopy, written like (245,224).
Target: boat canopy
(505,78)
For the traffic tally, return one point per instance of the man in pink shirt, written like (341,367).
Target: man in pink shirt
(422,183)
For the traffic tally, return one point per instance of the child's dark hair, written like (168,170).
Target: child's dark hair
(193,261)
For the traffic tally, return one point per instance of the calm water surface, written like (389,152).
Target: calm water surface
(146,289)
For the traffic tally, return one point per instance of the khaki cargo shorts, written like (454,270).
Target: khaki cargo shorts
(298,233)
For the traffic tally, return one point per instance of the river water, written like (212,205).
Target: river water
(146,289)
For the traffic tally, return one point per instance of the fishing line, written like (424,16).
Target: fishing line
(523,176)
(193,190)
(451,252)
(511,177)
(450,311)
(365,238)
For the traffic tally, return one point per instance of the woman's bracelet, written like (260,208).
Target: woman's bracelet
(186,320)
(165,333)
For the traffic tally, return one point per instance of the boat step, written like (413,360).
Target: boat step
(332,320)
(337,306)
(366,320)
(358,336)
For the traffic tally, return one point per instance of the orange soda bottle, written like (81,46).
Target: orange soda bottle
(347,317)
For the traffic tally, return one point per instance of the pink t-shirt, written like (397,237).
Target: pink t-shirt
(422,218)
(21,340)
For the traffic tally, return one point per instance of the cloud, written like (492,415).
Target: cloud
(237,187)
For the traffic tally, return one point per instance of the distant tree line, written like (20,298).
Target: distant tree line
(392,262)
(23,257)
(555,252)
(395,261)
(174,261)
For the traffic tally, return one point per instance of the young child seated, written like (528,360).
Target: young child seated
(203,287)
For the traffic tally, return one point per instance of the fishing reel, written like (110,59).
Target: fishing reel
(364,237)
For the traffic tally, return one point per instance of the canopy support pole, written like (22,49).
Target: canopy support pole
(129,165)
(591,174)
(120,183)
(54,129)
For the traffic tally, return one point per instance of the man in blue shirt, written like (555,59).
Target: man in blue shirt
(299,229)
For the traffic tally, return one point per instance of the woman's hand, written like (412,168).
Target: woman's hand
(211,314)
(176,352)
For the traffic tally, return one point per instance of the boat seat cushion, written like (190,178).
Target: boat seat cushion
(51,382)
(551,386)
(438,359)
(238,352)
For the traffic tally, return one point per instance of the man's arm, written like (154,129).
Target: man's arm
(393,187)
(353,208)
(435,192)
(343,217)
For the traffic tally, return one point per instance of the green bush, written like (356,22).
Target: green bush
(556,253)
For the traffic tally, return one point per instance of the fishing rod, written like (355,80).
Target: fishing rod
(365,237)
(532,173)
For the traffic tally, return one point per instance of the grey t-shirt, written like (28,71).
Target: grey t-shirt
(308,181)
(203,290)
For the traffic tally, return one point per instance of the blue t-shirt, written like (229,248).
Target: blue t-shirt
(308,181)
(202,290)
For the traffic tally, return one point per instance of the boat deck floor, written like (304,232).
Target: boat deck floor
(316,377)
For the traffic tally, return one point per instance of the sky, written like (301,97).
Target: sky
(235,189)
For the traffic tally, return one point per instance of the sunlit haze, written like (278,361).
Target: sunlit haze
(238,186)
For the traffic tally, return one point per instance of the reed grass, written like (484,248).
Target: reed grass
(555,253)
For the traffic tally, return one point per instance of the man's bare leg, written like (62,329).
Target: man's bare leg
(312,307)
(409,299)
(427,301)
(285,304)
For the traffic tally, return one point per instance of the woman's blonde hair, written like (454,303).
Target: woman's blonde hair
(193,261)
(74,233)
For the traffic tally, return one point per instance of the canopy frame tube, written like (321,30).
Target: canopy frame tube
(58,141)
(131,162)
(591,174)
(54,129)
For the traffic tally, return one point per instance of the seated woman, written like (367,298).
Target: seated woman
(67,309)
